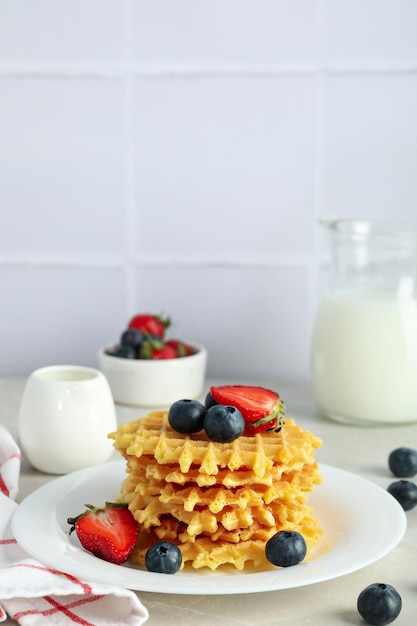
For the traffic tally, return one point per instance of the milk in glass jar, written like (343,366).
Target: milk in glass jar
(364,345)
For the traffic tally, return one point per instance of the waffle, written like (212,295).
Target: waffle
(219,502)
(235,548)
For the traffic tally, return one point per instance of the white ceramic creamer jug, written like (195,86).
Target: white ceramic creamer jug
(65,416)
(364,345)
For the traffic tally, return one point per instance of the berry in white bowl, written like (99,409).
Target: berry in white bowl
(146,368)
(154,382)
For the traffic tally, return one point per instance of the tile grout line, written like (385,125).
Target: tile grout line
(130,201)
(314,267)
(120,70)
(149,262)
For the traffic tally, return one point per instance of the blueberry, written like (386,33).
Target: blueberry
(133,338)
(403,462)
(286,548)
(379,604)
(124,352)
(405,492)
(209,401)
(223,423)
(163,557)
(187,416)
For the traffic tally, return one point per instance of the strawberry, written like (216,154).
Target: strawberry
(153,348)
(151,324)
(181,348)
(109,532)
(262,408)
(167,352)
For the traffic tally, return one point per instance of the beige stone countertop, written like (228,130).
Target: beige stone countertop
(360,450)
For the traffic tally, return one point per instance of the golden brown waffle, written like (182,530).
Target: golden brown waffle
(237,548)
(143,478)
(152,436)
(219,502)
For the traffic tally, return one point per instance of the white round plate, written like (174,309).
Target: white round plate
(362,523)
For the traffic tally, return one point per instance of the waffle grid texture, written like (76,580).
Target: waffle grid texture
(219,502)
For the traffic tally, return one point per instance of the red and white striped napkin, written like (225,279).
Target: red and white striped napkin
(36,595)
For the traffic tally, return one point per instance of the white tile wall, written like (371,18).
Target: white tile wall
(62,164)
(48,309)
(224,159)
(56,33)
(174,156)
(219,35)
(365,31)
(370,145)
(254,319)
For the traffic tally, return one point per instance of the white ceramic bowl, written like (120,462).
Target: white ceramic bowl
(154,383)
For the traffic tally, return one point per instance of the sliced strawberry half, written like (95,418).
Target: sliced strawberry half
(262,408)
(109,532)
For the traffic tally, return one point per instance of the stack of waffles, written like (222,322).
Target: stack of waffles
(219,502)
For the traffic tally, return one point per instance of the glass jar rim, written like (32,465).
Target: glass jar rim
(360,230)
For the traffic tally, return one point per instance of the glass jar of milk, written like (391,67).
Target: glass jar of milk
(364,345)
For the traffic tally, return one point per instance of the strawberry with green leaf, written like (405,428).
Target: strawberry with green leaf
(109,532)
(181,348)
(157,353)
(156,349)
(150,324)
(262,409)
